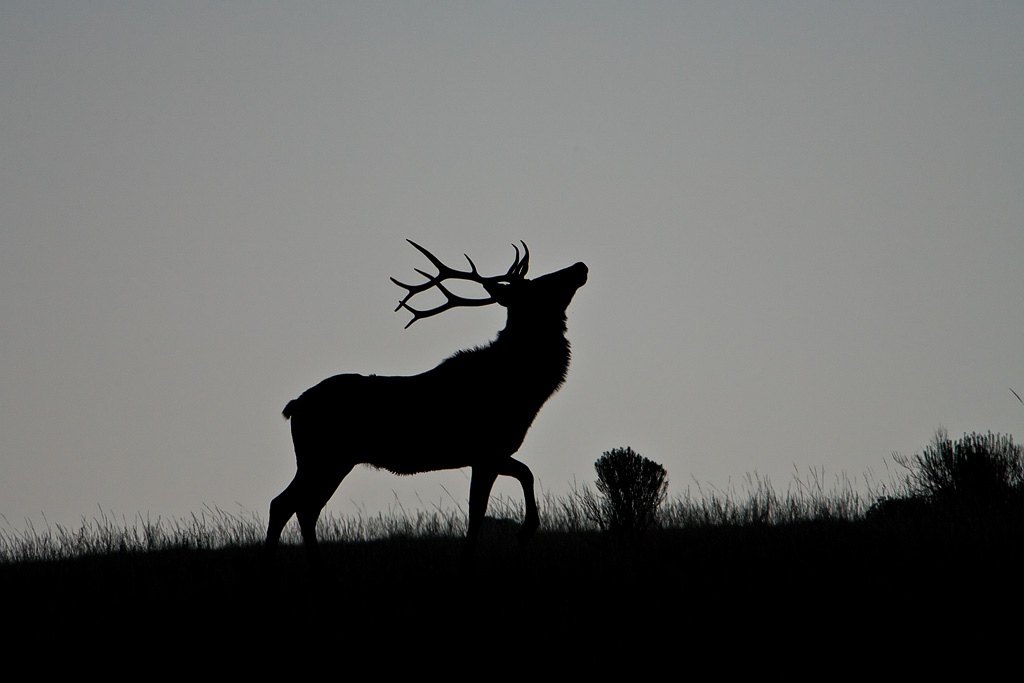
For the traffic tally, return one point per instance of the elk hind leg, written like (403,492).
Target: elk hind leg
(281,510)
(305,497)
(318,491)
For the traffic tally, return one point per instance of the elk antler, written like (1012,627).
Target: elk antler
(517,271)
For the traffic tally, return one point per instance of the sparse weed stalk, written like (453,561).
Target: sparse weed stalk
(755,501)
(105,534)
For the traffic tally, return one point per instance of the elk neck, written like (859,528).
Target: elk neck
(539,354)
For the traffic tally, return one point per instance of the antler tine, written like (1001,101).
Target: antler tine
(525,264)
(454,301)
(444,272)
(517,271)
(518,268)
(414,289)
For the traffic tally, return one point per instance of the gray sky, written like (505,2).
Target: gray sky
(804,224)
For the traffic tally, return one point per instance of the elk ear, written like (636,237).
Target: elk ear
(500,292)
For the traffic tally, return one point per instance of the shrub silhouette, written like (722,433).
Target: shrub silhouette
(631,487)
(977,470)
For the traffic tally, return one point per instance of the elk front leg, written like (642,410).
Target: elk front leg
(531,519)
(480,485)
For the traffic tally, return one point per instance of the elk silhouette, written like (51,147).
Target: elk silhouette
(472,410)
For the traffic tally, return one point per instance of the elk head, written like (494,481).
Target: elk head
(529,301)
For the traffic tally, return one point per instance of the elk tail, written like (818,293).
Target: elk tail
(289,409)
